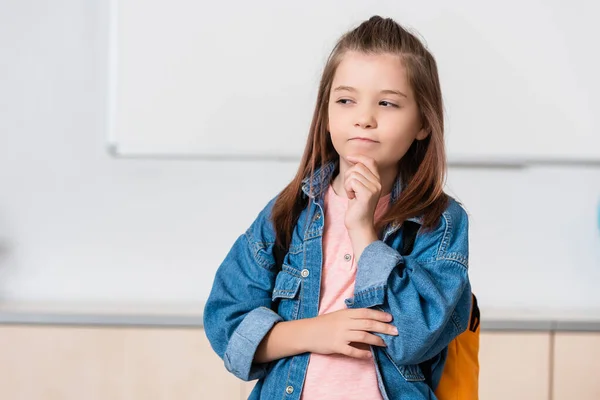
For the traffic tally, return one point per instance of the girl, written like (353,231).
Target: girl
(346,316)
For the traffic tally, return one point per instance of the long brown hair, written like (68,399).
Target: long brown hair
(422,169)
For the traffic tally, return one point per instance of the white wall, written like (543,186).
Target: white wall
(179,68)
(79,225)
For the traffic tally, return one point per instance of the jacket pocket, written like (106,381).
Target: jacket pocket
(286,299)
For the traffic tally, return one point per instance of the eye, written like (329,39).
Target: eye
(388,104)
(344,101)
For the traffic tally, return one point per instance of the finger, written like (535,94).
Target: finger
(368,313)
(357,188)
(366,182)
(366,172)
(367,161)
(370,325)
(348,189)
(362,170)
(366,337)
(353,352)
(354,185)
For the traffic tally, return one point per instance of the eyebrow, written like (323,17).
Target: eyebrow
(385,91)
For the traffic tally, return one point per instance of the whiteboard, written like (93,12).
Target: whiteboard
(236,78)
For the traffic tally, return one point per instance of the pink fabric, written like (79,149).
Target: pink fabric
(337,376)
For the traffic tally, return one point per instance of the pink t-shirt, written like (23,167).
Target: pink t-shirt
(337,376)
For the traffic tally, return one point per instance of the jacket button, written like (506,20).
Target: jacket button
(347,257)
(304,273)
(289,390)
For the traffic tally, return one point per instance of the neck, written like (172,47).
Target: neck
(388,177)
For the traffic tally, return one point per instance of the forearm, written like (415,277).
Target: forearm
(285,339)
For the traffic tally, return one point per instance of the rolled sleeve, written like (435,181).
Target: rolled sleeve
(375,265)
(238,312)
(239,355)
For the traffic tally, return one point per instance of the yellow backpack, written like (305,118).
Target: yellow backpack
(460,377)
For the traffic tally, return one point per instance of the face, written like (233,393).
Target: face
(372,110)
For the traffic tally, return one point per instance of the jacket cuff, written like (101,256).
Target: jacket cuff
(239,355)
(368,298)
(375,265)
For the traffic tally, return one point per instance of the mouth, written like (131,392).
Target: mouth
(363,140)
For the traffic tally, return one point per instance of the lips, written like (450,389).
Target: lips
(364,140)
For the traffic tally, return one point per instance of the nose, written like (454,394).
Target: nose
(366,120)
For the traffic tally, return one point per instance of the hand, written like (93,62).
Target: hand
(348,332)
(363,187)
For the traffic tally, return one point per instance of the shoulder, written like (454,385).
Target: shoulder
(262,228)
(449,239)
(259,237)
(454,217)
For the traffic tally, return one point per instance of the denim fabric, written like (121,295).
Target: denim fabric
(428,293)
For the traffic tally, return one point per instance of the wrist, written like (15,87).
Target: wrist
(302,332)
(361,239)
(363,233)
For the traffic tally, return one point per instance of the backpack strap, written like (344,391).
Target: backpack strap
(279,253)
(475,315)
(409,234)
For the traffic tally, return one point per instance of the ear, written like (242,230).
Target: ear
(422,134)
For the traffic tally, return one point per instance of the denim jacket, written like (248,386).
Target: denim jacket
(427,292)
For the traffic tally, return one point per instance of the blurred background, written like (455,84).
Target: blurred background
(139,139)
